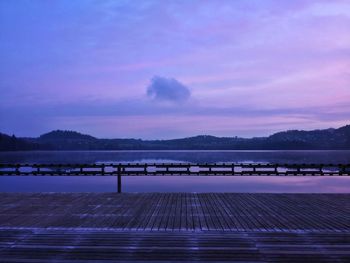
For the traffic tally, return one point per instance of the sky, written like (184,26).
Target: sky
(169,69)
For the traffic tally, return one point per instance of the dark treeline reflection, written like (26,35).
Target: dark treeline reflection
(176,156)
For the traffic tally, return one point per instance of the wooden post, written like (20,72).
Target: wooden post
(119,180)
(103,169)
(341,169)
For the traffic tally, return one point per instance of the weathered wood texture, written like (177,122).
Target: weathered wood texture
(45,245)
(91,227)
(178,211)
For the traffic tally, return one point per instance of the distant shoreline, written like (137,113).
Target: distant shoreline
(328,139)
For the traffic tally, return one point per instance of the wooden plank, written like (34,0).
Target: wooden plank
(165,213)
(136,212)
(200,213)
(189,217)
(158,216)
(171,212)
(178,211)
(254,227)
(46,245)
(146,211)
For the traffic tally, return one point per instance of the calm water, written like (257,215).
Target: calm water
(305,184)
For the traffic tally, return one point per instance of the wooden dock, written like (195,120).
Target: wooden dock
(66,227)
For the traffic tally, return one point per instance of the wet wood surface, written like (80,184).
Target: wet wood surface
(178,211)
(65,227)
(45,245)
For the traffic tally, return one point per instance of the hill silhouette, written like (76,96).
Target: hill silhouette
(12,143)
(327,139)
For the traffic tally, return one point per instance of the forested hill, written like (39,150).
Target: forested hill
(12,143)
(287,140)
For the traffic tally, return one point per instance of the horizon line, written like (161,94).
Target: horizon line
(191,136)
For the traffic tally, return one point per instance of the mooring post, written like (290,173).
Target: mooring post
(341,169)
(17,169)
(119,179)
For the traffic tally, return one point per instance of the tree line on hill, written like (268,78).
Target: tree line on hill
(287,140)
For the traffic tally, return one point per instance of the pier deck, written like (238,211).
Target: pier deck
(180,226)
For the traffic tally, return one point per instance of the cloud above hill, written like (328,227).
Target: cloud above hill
(167,89)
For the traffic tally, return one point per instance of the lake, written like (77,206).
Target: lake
(305,184)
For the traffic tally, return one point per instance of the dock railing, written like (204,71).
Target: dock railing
(174,169)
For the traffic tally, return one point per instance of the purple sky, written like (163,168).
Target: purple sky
(166,69)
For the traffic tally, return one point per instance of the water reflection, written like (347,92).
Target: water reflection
(257,184)
(316,184)
(176,156)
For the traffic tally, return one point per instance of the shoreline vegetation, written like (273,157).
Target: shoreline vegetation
(327,139)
